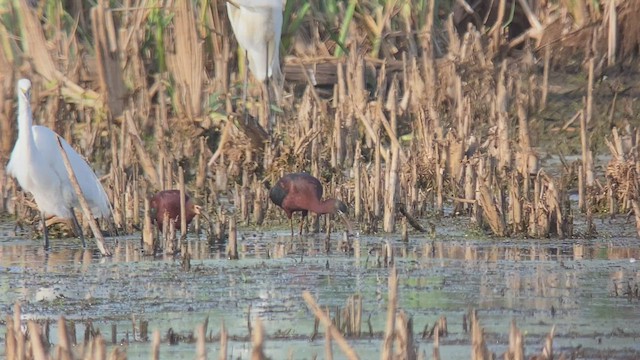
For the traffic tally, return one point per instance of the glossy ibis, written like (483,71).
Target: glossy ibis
(36,162)
(303,192)
(169,201)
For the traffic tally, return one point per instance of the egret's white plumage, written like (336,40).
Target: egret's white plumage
(36,162)
(257,25)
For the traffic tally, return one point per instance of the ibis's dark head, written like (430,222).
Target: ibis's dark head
(341,207)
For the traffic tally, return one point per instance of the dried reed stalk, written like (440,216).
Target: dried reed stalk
(36,47)
(35,340)
(636,211)
(183,205)
(108,67)
(491,211)
(147,228)
(201,346)
(547,350)
(389,333)
(516,343)
(436,342)
(502,148)
(224,339)
(145,160)
(479,350)
(328,350)
(389,222)
(353,316)
(64,347)
(612,34)
(257,338)
(404,338)
(326,321)
(155,345)
(545,77)
(388,254)
(232,246)
(86,210)
(135,206)
(185,61)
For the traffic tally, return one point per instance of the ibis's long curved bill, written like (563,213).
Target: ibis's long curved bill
(346,222)
(202,213)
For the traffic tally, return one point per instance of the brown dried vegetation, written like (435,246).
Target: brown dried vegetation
(412,117)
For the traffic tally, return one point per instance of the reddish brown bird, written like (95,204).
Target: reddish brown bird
(303,192)
(169,201)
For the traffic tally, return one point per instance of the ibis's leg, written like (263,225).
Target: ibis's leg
(291,223)
(45,231)
(244,87)
(76,227)
(304,216)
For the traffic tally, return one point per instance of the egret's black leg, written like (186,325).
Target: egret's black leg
(76,227)
(244,87)
(45,232)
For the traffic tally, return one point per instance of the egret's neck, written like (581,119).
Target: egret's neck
(25,120)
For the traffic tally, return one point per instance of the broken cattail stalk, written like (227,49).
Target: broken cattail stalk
(547,350)
(11,348)
(516,343)
(258,203)
(223,342)
(436,343)
(135,206)
(328,351)
(479,350)
(232,246)
(405,231)
(404,337)
(353,315)
(201,348)
(439,182)
(36,341)
(155,345)
(491,211)
(144,330)
(83,203)
(636,211)
(545,77)
(147,229)
(257,338)
(326,321)
(183,206)
(145,159)
(389,223)
(388,254)
(412,220)
(114,334)
(389,333)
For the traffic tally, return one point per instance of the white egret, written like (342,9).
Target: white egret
(257,25)
(36,162)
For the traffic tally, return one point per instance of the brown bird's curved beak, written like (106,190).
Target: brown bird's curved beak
(346,222)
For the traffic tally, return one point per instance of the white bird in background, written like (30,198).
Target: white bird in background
(36,162)
(257,25)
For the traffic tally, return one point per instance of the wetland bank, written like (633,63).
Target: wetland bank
(489,158)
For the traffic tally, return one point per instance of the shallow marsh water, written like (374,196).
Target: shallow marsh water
(578,285)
